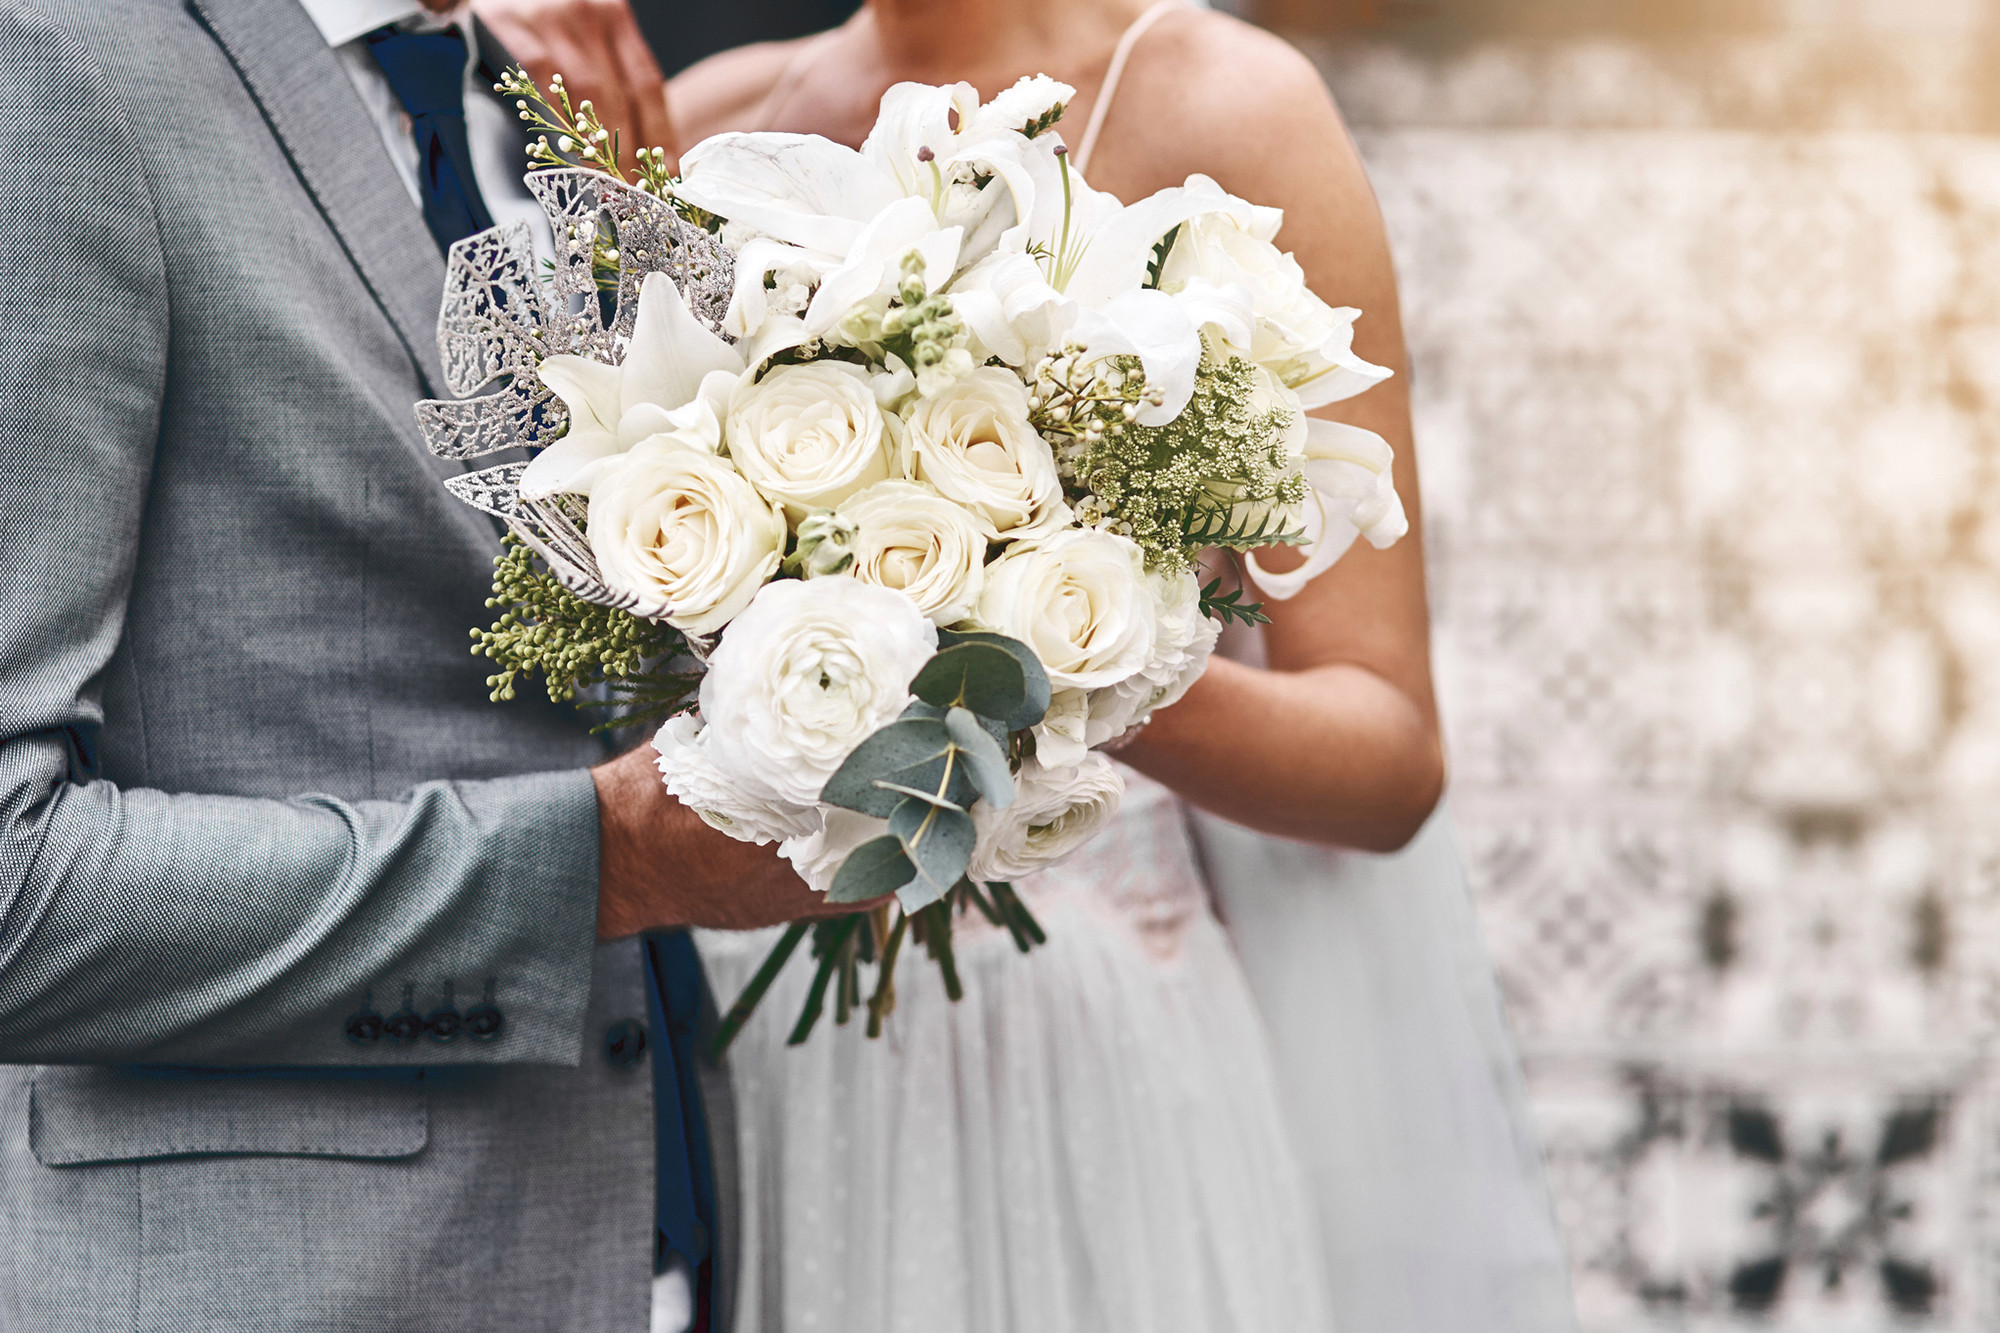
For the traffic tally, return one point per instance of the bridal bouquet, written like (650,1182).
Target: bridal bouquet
(878,479)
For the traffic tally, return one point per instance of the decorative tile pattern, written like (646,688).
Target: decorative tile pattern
(1707,375)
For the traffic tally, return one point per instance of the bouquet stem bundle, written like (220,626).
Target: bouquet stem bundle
(843,945)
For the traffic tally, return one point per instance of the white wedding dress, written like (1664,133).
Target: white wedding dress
(1091,1141)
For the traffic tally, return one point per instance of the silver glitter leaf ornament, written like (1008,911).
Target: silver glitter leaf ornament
(503,314)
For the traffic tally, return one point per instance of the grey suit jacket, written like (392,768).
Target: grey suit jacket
(249,778)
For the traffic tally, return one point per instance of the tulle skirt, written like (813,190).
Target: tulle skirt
(1091,1141)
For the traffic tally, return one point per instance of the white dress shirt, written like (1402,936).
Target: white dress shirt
(491,130)
(494,137)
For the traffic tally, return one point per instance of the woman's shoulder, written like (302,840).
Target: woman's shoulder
(725,91)
(1205,88)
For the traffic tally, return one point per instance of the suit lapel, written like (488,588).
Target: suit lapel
(337,150)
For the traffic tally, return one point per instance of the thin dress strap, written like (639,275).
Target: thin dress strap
(1080,158)
(795,69)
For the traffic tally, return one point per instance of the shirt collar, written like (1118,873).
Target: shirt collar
(341,21)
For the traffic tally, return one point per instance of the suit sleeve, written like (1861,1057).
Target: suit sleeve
(148,926)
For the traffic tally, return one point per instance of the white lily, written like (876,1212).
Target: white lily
(675,380)
(834,212)
(1091,253)
(874,266)
(1353,494)
(1226,252)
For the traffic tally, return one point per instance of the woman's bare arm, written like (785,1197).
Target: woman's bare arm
(1338,741)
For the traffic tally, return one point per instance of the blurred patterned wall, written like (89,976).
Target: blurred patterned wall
(1704,300)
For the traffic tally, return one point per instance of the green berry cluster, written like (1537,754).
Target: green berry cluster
(918,326)
(574,645)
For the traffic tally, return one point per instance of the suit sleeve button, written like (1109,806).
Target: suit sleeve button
(483,1022)
(364,1027)
(625,1042)
(406,1024)
(444,1024)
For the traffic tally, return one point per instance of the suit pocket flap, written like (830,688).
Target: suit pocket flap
(78,1116)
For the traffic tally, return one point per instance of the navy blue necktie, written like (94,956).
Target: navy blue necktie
(426,70)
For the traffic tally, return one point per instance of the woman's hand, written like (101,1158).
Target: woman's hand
(597,47)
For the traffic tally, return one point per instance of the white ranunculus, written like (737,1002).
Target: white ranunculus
(680,530)
(1055,811)
(974,443)
(1062,736)
(1306,343)
(818,855)
(809,436)
(910,538)
(812,668)
(693,778)
(674,379)
(1080,600)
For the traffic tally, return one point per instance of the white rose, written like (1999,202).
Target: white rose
(812,668)
(1080,600)
(1308,344)
(1056,811)
(694,779)
(680,530)
(818,855)
(973,442)
(910,538)
(1183,641)
(809,436)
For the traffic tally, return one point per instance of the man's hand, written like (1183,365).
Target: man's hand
(660,866)
(597,47)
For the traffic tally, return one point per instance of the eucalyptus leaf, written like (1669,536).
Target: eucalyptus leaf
(982,757)
(874,869)
(980,676)
(910,752)
(1035,680)
(938,843)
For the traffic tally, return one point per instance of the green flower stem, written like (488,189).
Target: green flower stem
(968,892)
(937,939)
(848,993)
(884,1001)
(746,1003)
(1026,930)
(829,962)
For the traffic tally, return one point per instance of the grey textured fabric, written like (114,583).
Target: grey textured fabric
(249,778)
